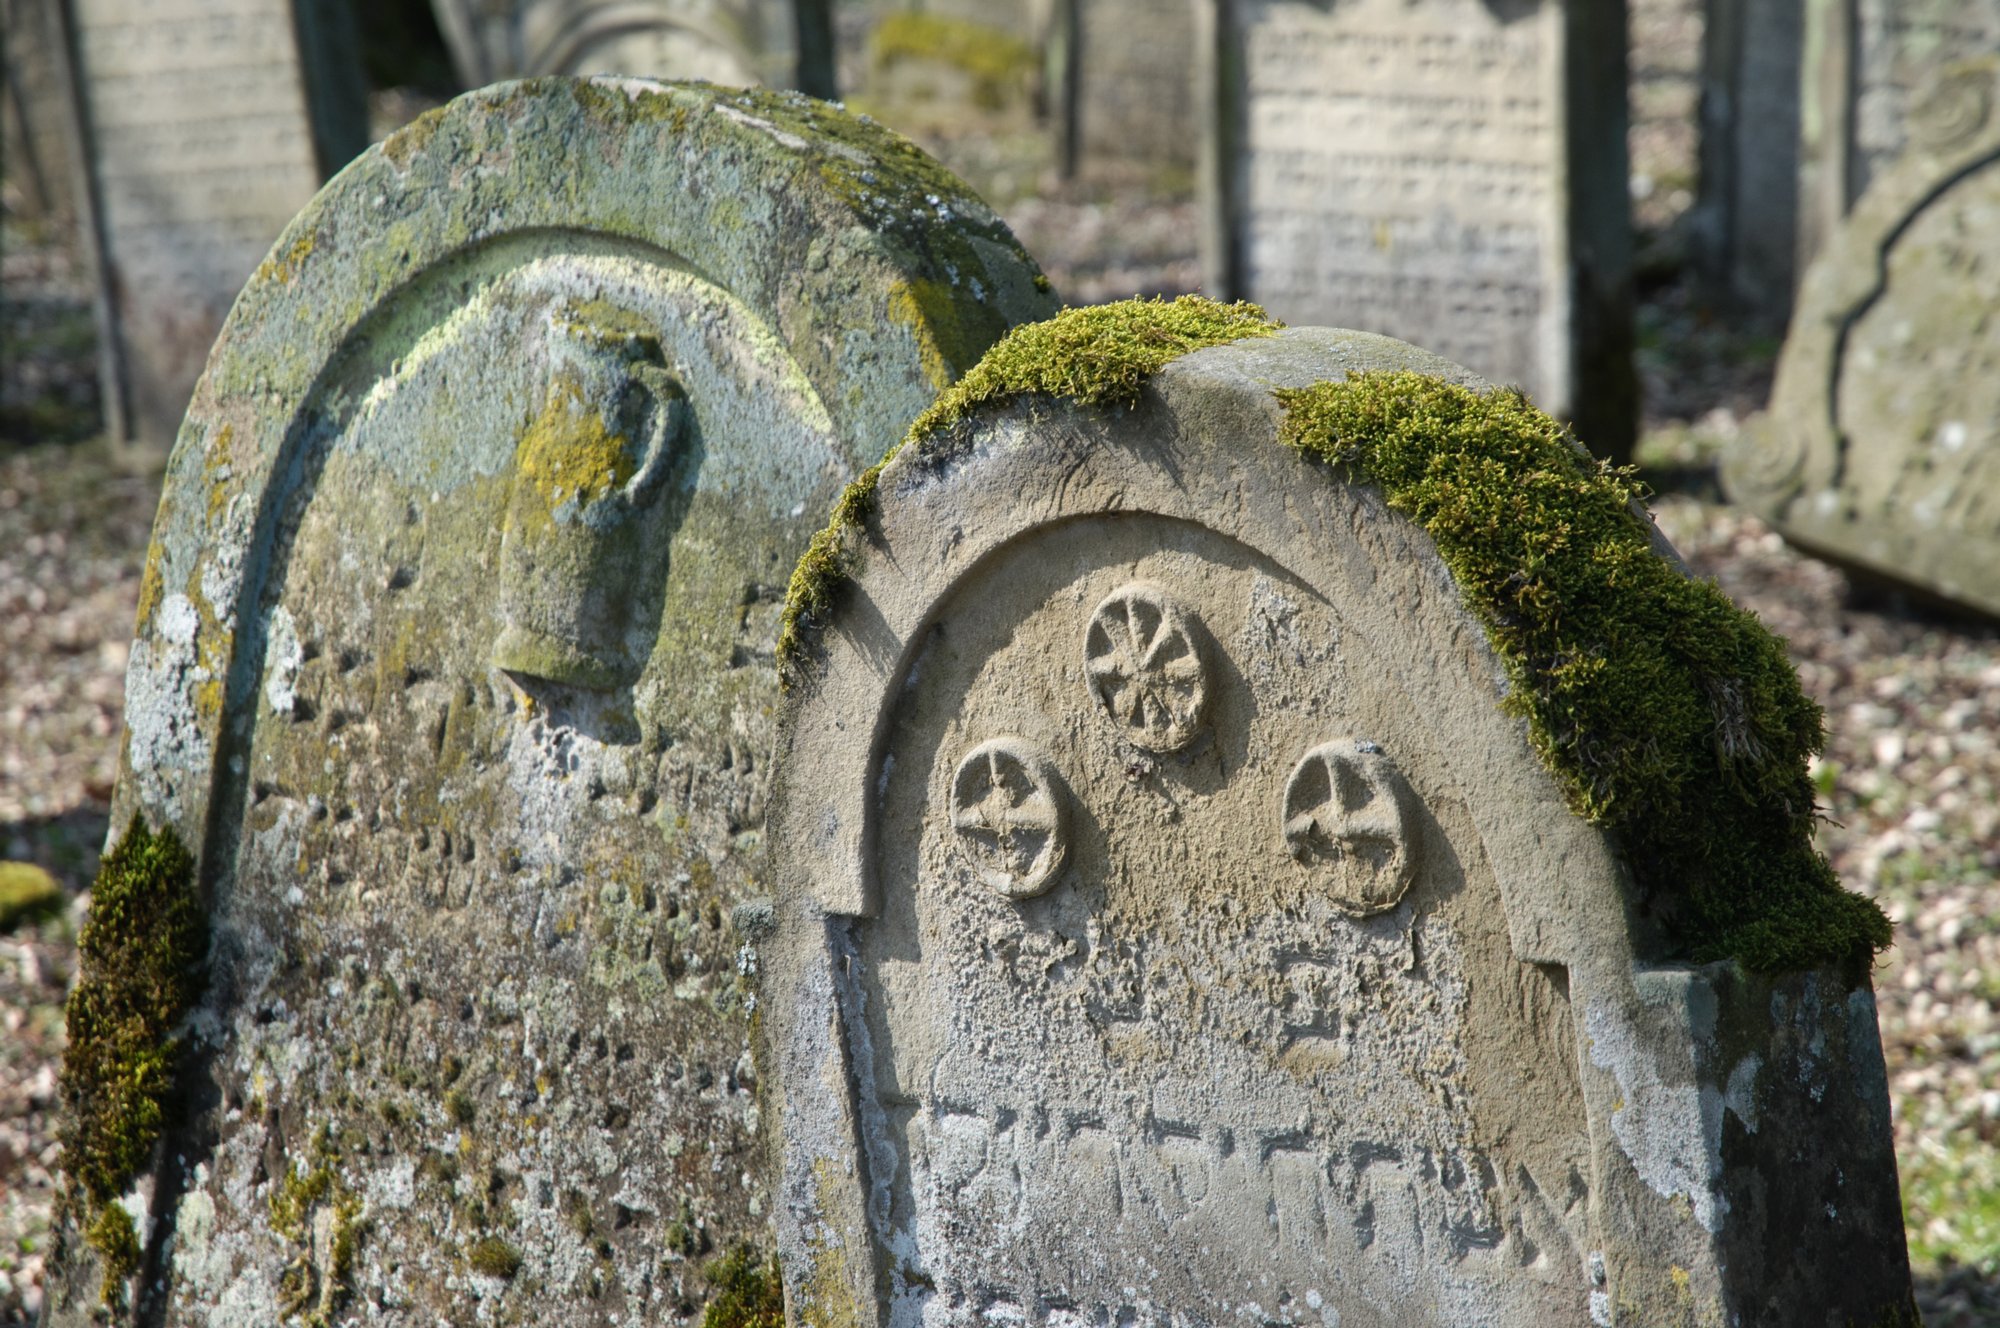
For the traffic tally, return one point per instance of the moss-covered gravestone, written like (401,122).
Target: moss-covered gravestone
(1287,843)
(1881,449)
(455,672)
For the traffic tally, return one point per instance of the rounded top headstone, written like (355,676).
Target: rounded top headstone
(455,669)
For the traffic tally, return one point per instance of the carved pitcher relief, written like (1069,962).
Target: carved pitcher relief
(582,558)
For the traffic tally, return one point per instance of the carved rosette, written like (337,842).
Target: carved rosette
(1346,818)
(1144,667)
(1008,816)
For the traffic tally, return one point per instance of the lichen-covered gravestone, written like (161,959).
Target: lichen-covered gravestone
(1881,449)
(1176,921)
(1453,172)
(455,670)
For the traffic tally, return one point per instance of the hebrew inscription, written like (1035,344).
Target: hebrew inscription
(1345,818)
(1145,668)
(1007,810)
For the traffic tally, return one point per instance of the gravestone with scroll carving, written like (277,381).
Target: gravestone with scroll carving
(1448,171)
(1171,927)
(1881,449)
(1871,89)
(454,667)
(206,126)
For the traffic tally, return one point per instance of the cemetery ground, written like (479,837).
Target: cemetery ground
(1909,780)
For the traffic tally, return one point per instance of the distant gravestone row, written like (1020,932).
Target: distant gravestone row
(1140,909)
(739,43)
(1451,172)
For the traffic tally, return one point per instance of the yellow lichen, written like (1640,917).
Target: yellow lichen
(282,267)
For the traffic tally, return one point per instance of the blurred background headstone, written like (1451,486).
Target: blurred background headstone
(1450,172)
(205,125)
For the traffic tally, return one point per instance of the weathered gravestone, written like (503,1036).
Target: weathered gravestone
(1448,171)
(206,126)
(454,667)
(1881,448)
(1172,926)
(1871,90)
(1745,231)
(723,41)
(1126,90)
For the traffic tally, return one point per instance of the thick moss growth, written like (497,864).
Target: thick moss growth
(1669,715)
(494,1257)
(141,962)
(1096,356)
(749,1293)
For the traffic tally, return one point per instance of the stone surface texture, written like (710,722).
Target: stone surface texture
(1452,172)
(1881,449)
(1866,81)
(454,664)
(1129,99)
(1170,928)
(208,126)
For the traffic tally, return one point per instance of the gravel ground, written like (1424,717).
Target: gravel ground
(1910,778)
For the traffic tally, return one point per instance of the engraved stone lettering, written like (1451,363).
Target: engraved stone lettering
(1145,668)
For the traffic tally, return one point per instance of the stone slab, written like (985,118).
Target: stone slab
(208,125)
(1171,928)
(1881,449)
(1448,171)
(1746,222)
(39,110)
(1128,91)
(454,666)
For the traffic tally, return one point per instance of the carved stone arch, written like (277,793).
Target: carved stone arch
(951,1065)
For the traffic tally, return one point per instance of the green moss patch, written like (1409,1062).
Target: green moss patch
(494,1257)
(1101,355)
(27,893)
(999,65)
(141,970)
(749,1293)
(1668,715)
